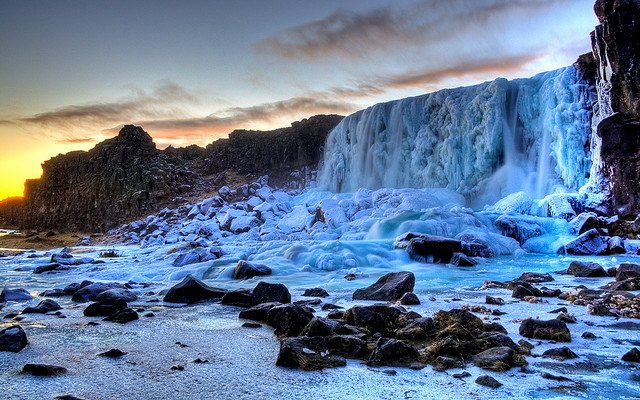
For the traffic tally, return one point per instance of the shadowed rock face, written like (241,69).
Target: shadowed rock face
(616,48)
(126,177)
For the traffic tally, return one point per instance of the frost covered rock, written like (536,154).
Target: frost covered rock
(245,270)
(331,213)
(295,221)
(389,287)
(13,339)
(243,223)
(518,229)
(515,203)
(192,290)
(19,294)
(589,243)
(194,256)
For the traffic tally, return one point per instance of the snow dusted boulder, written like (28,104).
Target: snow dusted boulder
(520,229)
(558,205)
(589,243)
(515,203)
(265,211)
(194,256)
(245,270)
(9,294)
(253,202)
(389,287)
(295,221)
(586,221)
(13,339)
(192,290)
(330,212)
(244,223)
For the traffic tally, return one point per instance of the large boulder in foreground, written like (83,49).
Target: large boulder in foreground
(192,290)
(246,270)
(546,330)
(13,339)
(389,287)
(289,319)
(271,292)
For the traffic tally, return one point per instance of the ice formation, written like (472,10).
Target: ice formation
(484,141)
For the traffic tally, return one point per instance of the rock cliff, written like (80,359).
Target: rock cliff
(126,177)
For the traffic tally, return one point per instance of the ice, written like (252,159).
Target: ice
(484,141)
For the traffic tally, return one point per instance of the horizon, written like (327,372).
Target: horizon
(97,71)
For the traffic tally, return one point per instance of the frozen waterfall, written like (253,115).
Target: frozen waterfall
(483,141)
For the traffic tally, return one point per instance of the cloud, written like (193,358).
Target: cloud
(76,140)
(350,35)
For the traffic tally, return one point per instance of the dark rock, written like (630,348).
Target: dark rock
(560,353)
(251,325)
(288,319)
(517,228)
(546,330)
(589,243)
(417,329)
(104,309)
(258,312)
(523,289)
(13,339)
(534,277)
(586,269)
(445,319)
(43,307)
(566,317)
(192,290)
(20,294)
(462,260)
(246,270)
(627,271)
(632,355)
(68,397)
(307,353)
(612,272)
(497,359)
(588,335)
(90,292)
(394,353)
(630,284)
(486,380)
(494,301)
(335,315)
(54,293)
(113,353)
(48,268)
(271,292)
(350,277)
(525,347)
(348,346)
(442,363)
(559,310)
(389,287)
(409,299)
(315,292)
(43,370)
(238,297)
(113,295)
(123,316)
(430,248)
(461,375)
(329,306)
(552,377)
(377,318)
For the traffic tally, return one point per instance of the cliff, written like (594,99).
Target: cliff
(127,177)
(616,48)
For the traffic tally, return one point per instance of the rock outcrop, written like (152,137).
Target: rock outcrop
(127,177)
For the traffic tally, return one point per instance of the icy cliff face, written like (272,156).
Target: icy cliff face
(483,141)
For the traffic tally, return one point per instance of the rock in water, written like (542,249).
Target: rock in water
(307,353)
(113,353)
(43,307)
(90,292)
(627,271)
(409,299)
(560,353)
(315,292)
(13,339)
(99,309)
(394,353)
(486,380)
(123,316)
(546,330)
(586,269)
(238,297)
(632,355)
(271,292)
(589,243)
(245,270)
(437,249)
(20,294)
(289,319)
(389,287)
(43,370)
(192,290)
(111,295)
(498,359)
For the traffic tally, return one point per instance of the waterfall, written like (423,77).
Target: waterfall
(483,141)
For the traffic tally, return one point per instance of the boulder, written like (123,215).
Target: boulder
(627,271)
(462,260)
(123,316)
(307,353)
(523,289)
(49,268)
(258,312)
(546,330)
(534,277)
(443,363)
(192,290)
(238,297)
(430,248)
(498,359)
(43,307)
(90,292)
(13,339)
(488,381)
(271,292)
(113,295)
(585,269)
(378,318)
(43,370)
(418,329)
(99,309)
(632,355)
(315,292)
(289,319)
(113,353)
(19,294)
(246,270)
(394,353)
(589,243)
(496,301)
(409,299)
(560,353)
(389,287)
(518,229)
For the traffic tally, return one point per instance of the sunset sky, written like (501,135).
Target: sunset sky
(73,72)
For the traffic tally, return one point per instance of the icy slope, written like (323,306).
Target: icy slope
(484,141)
